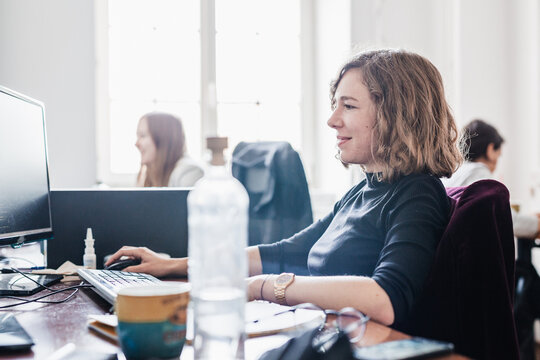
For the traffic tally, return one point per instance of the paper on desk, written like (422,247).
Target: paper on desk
(70,351)
(67,268)
(104,324)
(261,319)
(110,320)
(255,310)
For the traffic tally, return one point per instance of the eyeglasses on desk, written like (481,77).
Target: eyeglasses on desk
(348,321)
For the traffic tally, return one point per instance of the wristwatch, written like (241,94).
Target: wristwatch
(280,285)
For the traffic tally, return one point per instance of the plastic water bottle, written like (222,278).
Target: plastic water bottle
(218,232)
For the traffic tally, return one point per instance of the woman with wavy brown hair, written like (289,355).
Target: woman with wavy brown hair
(374,250)
(414,131)
(162,144)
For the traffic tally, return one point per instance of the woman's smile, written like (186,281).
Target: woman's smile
(342,140)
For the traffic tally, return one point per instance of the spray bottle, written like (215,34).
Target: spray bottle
(89,258)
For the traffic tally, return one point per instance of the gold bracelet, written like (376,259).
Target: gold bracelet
(262,286)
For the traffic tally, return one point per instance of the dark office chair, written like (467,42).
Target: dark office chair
(527,302)
(469,293)
(279,202)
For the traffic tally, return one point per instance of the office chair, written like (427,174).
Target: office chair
(469,293)
(527,301)
(279,202)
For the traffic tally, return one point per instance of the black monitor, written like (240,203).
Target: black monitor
(153,217)
(25,214)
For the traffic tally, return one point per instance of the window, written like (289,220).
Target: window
(154,64)
(151,61)
(258,70)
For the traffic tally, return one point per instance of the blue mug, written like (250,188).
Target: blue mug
(152,320)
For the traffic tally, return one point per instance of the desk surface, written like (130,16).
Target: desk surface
(54,325)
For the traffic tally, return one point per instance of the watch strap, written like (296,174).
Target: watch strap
(280,288)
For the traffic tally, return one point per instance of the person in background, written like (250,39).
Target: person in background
(483,149)
(374,251)
(162,144)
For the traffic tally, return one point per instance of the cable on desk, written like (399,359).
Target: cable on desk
(29,278)
(38,299)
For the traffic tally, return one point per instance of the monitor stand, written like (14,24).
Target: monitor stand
(28,256)
(25,258)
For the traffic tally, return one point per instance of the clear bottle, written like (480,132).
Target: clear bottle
(218,231)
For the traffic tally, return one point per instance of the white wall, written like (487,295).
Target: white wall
(499,53)
(47,52)
(486,50)
(333,44)
(426,27)
(488,54)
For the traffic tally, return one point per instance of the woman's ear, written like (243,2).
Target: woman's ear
(492,156)
(491,153)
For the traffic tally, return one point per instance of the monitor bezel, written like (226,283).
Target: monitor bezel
(22,237)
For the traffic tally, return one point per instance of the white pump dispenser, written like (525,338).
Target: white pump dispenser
(89,258)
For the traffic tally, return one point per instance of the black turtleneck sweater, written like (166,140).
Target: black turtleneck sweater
(386,231)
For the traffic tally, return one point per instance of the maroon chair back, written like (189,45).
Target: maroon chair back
(468,296)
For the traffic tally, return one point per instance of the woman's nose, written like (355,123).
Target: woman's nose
(334,120)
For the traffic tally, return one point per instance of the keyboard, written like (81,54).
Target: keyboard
(107,283)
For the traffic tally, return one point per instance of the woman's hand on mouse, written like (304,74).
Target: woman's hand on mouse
(151,262)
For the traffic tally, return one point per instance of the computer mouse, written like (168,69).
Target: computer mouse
(122,264)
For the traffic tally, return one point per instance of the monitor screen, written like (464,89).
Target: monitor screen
(24,179)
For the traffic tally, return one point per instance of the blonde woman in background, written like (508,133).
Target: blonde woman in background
(162,144)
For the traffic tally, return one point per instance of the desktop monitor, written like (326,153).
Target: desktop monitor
(152,217)
(25,214)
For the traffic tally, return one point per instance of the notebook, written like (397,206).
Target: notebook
(255,310)
(267,323)
(260,316)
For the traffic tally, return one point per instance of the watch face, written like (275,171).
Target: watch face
(284,279)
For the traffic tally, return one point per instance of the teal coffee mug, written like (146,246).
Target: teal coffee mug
(152,320)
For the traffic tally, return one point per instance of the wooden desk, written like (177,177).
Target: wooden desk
(54,325)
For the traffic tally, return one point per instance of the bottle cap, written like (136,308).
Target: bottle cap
(89,242)
(89,234)
(217,145)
